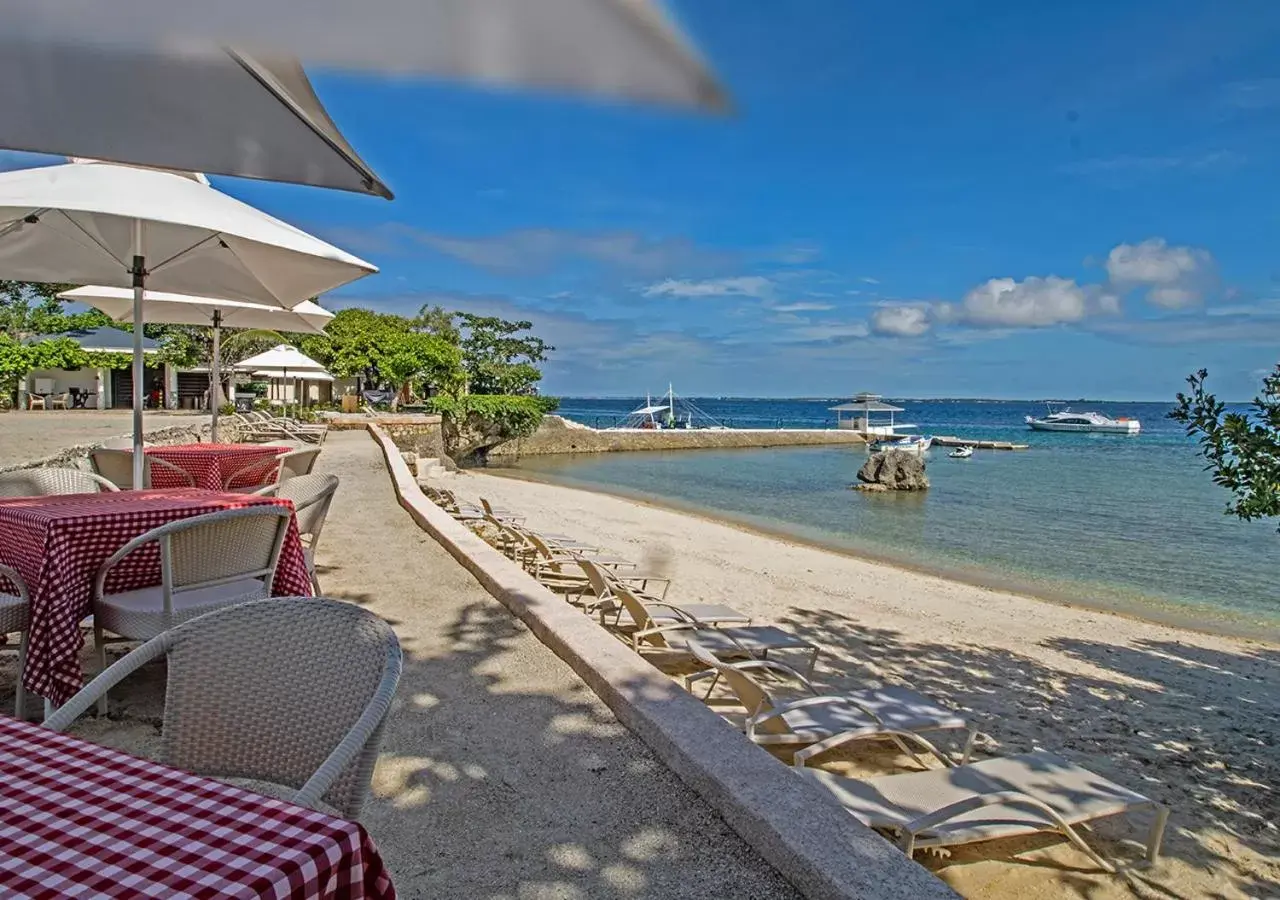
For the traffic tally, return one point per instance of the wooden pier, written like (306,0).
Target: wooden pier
(947,441)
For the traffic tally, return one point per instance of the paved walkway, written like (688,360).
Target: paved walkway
(502,775)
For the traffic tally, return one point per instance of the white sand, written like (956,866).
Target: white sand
(1192,720)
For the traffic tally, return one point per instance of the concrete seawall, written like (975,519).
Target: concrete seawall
(556,435)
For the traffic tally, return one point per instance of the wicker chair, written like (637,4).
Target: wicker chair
(312,495)
(206,562)
(47,482)
(290,691)
(15,609)
(117,467)
(272,470)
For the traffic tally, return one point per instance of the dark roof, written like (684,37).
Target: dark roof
(112,340)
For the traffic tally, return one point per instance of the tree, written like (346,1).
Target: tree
(498,358)
(386,349)
(31,308)
(1242,449)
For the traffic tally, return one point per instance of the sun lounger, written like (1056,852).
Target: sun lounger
(822,721)
(994,798)
(672,635)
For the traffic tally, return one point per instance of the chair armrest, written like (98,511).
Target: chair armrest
(88,696)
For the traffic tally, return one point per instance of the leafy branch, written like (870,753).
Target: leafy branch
(1242,448)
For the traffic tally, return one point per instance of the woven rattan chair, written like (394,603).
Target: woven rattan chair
(312,495)
(291,691)
(15,611)
(206,562)
(47,482)
(272,470)
(117,467)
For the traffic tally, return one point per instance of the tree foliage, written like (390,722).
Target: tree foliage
(1242,448)
(500,358)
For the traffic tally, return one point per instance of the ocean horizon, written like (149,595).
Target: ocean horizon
(1126,523)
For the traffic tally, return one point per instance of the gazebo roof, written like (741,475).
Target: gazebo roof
(865,402)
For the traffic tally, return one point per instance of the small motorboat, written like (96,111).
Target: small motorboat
(910,443)
(961,452)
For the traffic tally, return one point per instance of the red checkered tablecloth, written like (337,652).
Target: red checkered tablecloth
(212,464)
(80,820)
(57,545)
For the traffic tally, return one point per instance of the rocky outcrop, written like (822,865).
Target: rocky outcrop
(892,470)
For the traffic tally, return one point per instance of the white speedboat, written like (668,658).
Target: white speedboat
(910,443)
(961,452)
(1066,420)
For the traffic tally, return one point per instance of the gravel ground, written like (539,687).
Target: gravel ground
(34,434)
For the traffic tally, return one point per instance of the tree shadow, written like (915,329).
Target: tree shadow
(1192,728)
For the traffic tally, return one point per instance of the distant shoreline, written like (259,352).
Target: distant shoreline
(1173,616)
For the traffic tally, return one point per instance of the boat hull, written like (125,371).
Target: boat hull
(1131,427)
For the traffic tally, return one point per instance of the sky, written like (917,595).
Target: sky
(923,198)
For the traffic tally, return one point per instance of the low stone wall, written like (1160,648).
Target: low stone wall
(413,432)
(558,435)
(77,457)
(817,846)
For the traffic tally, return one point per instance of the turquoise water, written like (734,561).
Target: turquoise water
(1131,523)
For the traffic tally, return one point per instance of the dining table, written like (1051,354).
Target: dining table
(212,466)
(58,543)
(81,820)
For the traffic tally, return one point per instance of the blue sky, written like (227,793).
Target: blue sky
(942,198)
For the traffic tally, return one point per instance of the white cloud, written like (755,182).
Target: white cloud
(741,286)
(833,331)
(869,280)
(803,306)
(1031,303)
(901,321)
(1174,277)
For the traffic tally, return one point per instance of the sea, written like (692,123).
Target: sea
(1126,523)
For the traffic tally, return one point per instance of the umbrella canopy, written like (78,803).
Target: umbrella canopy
(284,358)
(85,222)
(208,109)
(628,48)
(287,373)
(181,309)
(159,307)
(120,226)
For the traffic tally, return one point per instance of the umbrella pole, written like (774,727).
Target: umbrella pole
(139,285)
(215,384)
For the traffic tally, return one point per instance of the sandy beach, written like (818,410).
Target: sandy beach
(1190,719)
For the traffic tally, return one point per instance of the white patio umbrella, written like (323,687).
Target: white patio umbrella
(182,309)
(122,226)
(284,361)
(200,109)
(626,48)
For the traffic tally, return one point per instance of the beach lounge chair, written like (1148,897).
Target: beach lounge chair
(670,636)
(650,590)
(995,798)
(288,697)
(822,721)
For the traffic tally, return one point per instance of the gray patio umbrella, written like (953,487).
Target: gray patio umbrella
(197,109)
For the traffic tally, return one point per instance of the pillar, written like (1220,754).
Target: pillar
(104,388)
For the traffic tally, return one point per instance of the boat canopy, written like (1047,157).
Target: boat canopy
(647,410)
